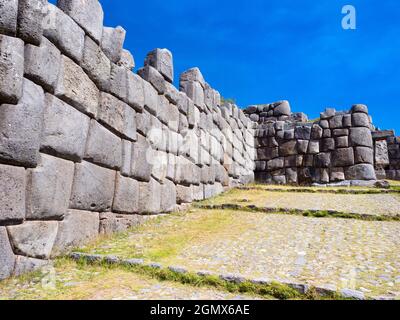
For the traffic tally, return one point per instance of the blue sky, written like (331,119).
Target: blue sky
(260,51)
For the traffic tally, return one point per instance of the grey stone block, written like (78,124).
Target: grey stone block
(347,120)
(49,188)
(363,155)
(150,197)
(75,87)
(172,94)
(11,69)
(163,109)
(194,91)
(126,158)
(159,161)
(361,137)
(78,228)
(336,122)
(8,14)
(117,116)
(359,108)
(343,157)
(360,172)
(150,98)
(96,64)
(21,127)
(113,223)
(340,132)
(360,120)
(342,142)
(168,196)
(24,265)
(303,133)
(302,146)
(141,159)
(327,144)
(193,74)
(88,14)
(112,42)
(274,164)
(135,95)
(173,117)
(151,75)
(30,20)
(12,194)
(126,199)
(34,239)
(93,188)
(65,130)
(327,114)
(127,61)
(161,60)
(184,194)
(64,32)
(322,160)
(119,82)
(143,122)
(42,64)
(103,147)
(381,153)
(288,148)
(327,133)
(7,257)
(337,174)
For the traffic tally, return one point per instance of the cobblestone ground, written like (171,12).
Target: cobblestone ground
(372,204)
(354,254)
(68,281)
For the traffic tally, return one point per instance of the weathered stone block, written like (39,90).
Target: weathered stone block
(340,132)
(88,14)
(193,74)
(34,239)
(49,188)
(168,196)
(12,194)
(78,228)
(360,172)
(141,159)
(150,98)
(184,194)
(30,20)
(159,165)
(119,82)
(112,42)
(274,164)
(337,174)
(127,61)
(322,160)
(303,132)
(161,60)
(359,108)
(288,148)
(360,120)
(313,147)
(194,91)
(327,133)
(291,175)
(113,223)
(11,69)
(64,32)
(143,122)
(103,147)
(93,188)
(151,75)
(7,257)
(42,64)
(126,198)
(336,122)
(21,127)
(117,116)
(343,157)
(24,265)
(316,132)
(282,109)
(327,144)
(327,114)
(65,130)
(361,137)
(75,87)
(363,155)
(381,153)
(126,158)
(135,95)
(96,64)
(8,14)
(342,142)
(302,146)
(150,197)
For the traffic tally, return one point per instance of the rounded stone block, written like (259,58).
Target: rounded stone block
(360,172)
(361,137)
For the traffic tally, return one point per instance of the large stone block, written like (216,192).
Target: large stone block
(141,159)
(381,153)
(150,197)
(65,130)
(30,20)
(135,94)
(282,108)
(103,147)
(7,257)
(151,75)
(34,239)
(126,199)
(193,74)
(161,60)
(288,148)
(360,120)
(184,194)
(143,122)
(12,194)
(303,133)
(194,91)
(127,61)
(93,188)
(49,189)
(87,13)
(168,196)
(322,160)
(361,172)
(337,174)
(117,116)
(11,69)
(64,33)
(119,82)
(114,223)
(336,122)
(96,64)
(42,64)
(363,155)
(8,17)
(361,137)
(21,127)
(275,164)
(75,87)
(343,157)
(159,165)
(112,42)
(150,98)
(78,228)
(24,265)
(126,158)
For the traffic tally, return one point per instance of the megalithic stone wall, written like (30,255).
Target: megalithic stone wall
(88,147)
(292,150)
(387,154)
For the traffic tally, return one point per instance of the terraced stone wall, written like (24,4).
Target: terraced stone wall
(87,146)
(336,148)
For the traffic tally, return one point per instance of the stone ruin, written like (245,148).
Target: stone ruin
(89,147)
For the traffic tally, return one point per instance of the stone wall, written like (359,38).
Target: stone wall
(87,146)
(337,148)
(387,154)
